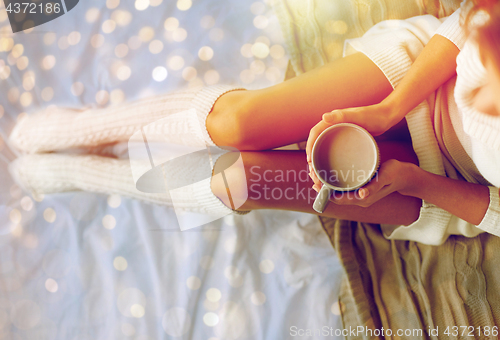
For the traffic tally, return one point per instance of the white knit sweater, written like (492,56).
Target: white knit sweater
(478,133)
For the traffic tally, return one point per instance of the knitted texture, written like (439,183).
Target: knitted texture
(315,31)
(55,173)
(61,128)
(96,130)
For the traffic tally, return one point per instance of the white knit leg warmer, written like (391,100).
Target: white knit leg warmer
(63,129)
(56,173)
(60,128)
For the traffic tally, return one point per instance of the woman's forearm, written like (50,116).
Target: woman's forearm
(435,65)
(467,201)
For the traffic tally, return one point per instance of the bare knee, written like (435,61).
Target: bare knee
(230,124)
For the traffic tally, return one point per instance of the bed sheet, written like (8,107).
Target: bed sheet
(80,266)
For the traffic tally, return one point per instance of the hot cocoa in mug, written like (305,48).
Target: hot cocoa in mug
(344,158)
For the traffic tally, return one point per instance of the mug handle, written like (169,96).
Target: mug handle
(322,199)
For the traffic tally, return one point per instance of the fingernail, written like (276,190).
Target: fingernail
(363,193)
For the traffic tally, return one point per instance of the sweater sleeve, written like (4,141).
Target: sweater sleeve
(452,30)
(491,220)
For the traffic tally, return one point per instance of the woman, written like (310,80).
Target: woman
(415,203)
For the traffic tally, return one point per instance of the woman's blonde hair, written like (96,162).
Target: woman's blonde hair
(487,35)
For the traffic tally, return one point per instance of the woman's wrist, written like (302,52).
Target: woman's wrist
(415,182)
(393,111)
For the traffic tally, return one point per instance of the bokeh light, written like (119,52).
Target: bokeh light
(266,266)
(160,73)
(13,94)
(137,310)
(141,5)
(171,24)
(193,283)
(47,93)
(112,4)
(189,73)
(97,40)
(205,53)
(92,14)
(120,263)
(77,88)
(180,34)
(123,73)
(4,71)
(49,215)
(51,285)
(121,50)
(146,33)
(26,203)
(114,201)
(74,37)
(260,21)
(6,44)
(155,47)
(257,67)
(258,298)
(184,5)
(17,50)
(246,50)
(15,216)
(25,99)
(108,26)
(22,63)
(49,38)
(213,294)
(121,17)
(109,222)
(116,96)
(277,51)
(210,319)
(175,63)
(101,98)
(211,77)
(257,8)
(63,43)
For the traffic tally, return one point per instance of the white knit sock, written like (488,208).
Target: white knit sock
(55,173)
(61,128)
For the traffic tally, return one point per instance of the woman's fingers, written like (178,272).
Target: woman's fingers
(313,135)
(373,118)
(338,116)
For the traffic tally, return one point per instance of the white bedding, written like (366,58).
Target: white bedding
(80,266)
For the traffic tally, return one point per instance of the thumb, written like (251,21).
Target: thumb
(336,117)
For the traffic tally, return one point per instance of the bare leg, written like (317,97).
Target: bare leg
(279,180)
(284,113)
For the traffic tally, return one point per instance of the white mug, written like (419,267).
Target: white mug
(344,158)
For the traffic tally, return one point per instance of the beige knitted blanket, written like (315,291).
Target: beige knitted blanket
(450,291)
(315,30)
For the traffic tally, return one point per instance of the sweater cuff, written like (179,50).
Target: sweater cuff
(452,30)
(430,228)
(204,102)
(491,220)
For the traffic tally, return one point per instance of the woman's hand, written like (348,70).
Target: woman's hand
(376,119)
(392,176)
